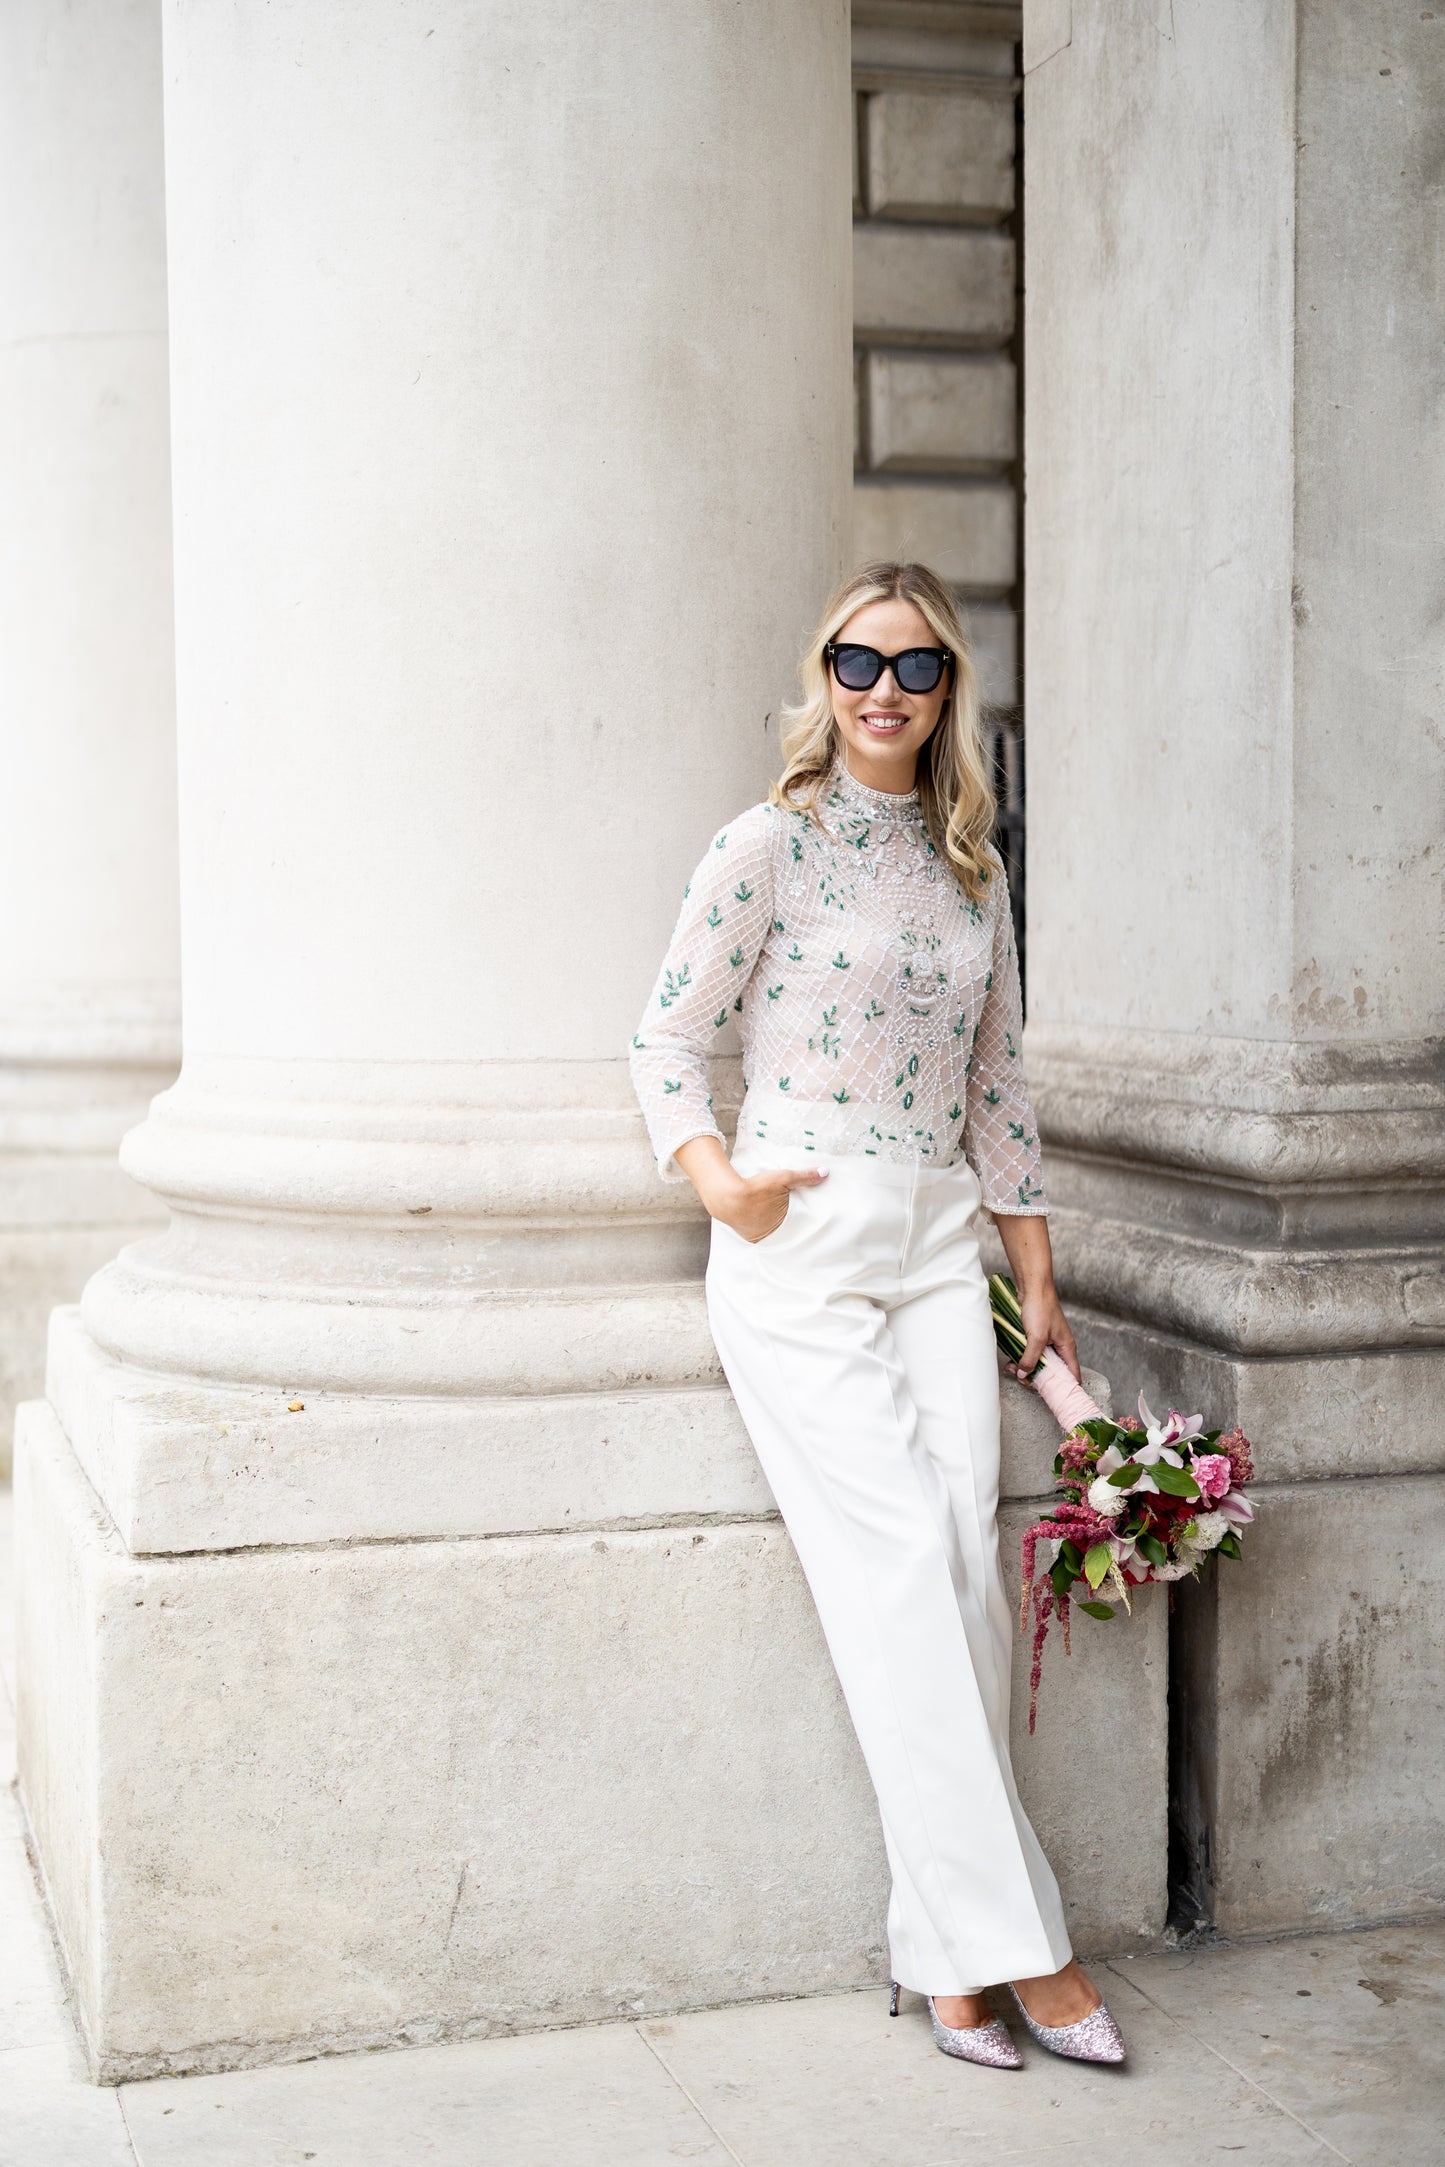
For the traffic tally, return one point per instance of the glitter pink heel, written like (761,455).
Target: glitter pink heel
(1094,2038)
(986,2043)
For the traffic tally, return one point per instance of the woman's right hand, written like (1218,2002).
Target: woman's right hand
(753,1205)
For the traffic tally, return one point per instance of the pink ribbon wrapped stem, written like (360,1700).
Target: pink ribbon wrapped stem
(1066,1400)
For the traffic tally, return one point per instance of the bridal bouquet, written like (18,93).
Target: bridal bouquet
(1142,1500)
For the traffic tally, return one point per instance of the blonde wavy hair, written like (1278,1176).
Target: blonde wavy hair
(954,792)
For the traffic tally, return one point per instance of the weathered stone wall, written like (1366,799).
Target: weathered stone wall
(1234,449)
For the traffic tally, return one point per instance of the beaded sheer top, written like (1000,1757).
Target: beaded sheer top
(877,1003)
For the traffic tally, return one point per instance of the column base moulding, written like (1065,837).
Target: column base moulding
(1263,1199)
(185,1465)
(297,1798)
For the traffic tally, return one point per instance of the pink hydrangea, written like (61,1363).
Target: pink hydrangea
(1235,1445)
(1213,1474)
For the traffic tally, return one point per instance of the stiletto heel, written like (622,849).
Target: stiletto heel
(1094,2038)
(893,2004)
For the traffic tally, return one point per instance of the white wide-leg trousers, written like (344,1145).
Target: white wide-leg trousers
(858,1345)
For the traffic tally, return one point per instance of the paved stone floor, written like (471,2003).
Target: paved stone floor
(1323,2049)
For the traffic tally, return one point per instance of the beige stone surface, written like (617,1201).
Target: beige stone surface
(993,630)
(1233,439)
(1341,2031)
(940,154)
(936,415)
(484,1784)
(593,2096)
(1313,2049)
(787,2088)
(1313,1687)
(189,1467)
(967,532)
(40,1268)
(1314,1416)
(933,288)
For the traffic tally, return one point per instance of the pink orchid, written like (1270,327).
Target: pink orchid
(1177,1430)
(1236,1507)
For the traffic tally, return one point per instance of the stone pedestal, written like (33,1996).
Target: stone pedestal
(390,1720)
(89,1025)
(1235,812)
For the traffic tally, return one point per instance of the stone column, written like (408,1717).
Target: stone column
(1234,459)
(88,1000)
(408,1646)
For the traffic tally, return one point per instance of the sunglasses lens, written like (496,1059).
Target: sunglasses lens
(857,668)
(920,669)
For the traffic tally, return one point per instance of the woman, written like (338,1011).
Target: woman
(858,924)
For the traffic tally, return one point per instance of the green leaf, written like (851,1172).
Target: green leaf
(1228,1545)
(1071,1555)
(1174,1481)
(1062,1577)
(1097,1562)
(1100,1430)
(1150,1547)
(1122,1476)
(1096,1610)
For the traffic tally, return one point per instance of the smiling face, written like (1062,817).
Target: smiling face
(884,729)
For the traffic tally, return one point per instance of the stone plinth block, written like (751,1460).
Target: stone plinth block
(932,288)
(968,533)
(941,154)
(336,1794)
(1309,1684)
(931,414)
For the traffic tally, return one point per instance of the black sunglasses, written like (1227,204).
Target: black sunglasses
(858,669)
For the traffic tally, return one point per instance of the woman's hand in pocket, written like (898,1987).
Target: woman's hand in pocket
(753,1205)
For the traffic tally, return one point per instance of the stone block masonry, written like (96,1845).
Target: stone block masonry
(1236,1037)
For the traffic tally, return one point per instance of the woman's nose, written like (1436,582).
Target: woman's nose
(885,689)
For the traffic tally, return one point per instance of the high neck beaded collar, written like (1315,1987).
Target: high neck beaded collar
(856,799)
